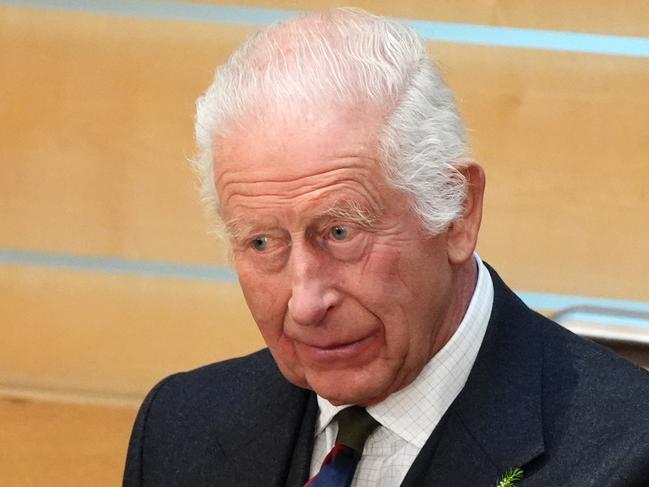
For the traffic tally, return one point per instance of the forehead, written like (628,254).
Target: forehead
(271,133)
(288,158)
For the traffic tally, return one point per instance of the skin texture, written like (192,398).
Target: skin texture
(352,297)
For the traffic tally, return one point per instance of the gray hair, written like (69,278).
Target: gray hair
(346,56)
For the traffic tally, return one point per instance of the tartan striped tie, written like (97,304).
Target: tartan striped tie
(338,468)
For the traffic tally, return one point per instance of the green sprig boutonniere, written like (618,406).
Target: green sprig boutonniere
(511,478)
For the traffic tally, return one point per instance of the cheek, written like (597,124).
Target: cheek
(381,290)
(381,260)
(392,286)
(266,299)
(379,280)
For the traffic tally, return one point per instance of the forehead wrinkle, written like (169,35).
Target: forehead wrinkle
(247,218)
(301,200)
(279,192)
(291,173)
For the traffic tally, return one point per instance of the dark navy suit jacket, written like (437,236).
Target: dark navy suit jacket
(567,411)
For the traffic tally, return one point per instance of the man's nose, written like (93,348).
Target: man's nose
(312,295)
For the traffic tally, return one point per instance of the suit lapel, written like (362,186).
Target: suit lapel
(496,422)
(271,441)
(303,449)
(451,456)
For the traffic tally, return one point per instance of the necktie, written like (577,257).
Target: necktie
(338,468)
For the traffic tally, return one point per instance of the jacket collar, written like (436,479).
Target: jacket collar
(496,422)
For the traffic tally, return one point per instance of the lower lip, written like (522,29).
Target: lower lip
(349,352)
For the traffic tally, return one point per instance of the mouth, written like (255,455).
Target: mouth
(334,352)
(336,346)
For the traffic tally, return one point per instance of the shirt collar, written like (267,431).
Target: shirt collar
(413,412)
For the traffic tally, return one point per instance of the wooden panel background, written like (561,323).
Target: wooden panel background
(624,17)
(96,115)
(113,335)
(62,445)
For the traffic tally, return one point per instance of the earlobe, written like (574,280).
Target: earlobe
(462,234)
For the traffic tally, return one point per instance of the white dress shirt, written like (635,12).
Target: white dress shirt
(409,416)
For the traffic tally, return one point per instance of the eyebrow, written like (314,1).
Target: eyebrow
(352,212)
(347,210)
(236,229)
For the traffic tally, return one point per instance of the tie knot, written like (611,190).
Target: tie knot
(354,426)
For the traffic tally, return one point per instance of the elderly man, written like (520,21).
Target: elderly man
(335,157)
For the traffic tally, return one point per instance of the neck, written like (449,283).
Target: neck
(465,279)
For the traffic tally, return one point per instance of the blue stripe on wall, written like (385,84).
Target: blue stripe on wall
(220,274)
(561,301)
(601,319)
(116,265)
(434,31)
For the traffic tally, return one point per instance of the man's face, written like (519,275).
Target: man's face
(350,295)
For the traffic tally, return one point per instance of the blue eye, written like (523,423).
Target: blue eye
(339,233)
(259,243)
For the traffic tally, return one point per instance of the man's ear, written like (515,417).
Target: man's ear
(462,234)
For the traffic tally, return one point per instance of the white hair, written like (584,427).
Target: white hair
(346,56)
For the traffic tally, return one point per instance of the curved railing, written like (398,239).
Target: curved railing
(623,330)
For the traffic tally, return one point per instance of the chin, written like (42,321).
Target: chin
(340,398)
(340,389)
